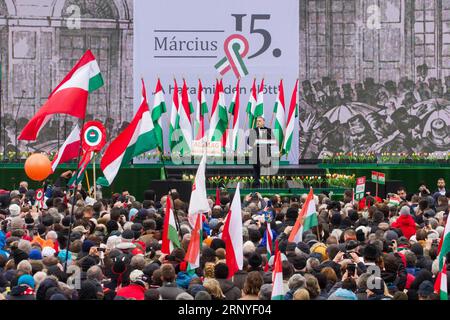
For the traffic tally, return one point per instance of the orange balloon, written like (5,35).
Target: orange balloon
(38,167)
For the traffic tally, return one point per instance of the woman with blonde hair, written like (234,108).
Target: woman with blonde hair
(213,288)
(209,270)
(301,294)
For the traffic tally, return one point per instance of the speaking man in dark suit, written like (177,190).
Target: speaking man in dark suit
(260,142)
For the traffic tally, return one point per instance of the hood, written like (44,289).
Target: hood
(406,221)
(183,279)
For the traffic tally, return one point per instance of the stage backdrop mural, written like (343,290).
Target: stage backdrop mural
(196,40)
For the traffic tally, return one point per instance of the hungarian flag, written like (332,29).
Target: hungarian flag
(444,244)
(193,251)
(170,238)
(158,109)
(269,244)
(440,286)
(82,166)
(174,118)
(137,138)
(219,116)
(200,112)
(307,219)
(234,110)
(199,201)
(280,116)
(69,97)
(277,279)
(232,235)
(251,105)
(292,116)
(69,150)
(184,112)
(40,195)
(259,106)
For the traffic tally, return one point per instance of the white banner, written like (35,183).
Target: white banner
(204,39)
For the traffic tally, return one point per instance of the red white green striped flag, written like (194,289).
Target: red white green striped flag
(219,116)
(259,106)
(234,110)
(280,116)
(82,166)
(277,279)
(174,118)
(307,219)
(69,97)
(440,286)
(184,112)
(137,138)
(193,251)
(170,238)
(444,244)
(69,150)
(292,116)
(158,109)
(200,112)
(269,244)
(251,105)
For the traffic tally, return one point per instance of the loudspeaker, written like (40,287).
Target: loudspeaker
(162,187)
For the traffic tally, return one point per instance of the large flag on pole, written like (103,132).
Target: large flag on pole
(200,112)
(307,219)
(251,105)
(137,138)
(280,116)
(69,150)
(440,286)
(219,116)
(259,106)
(199,201)
(277,279)
(193,251)
(234,110)
(292,116)
(170,238)
(69,97)
(232,235)
(158,109)
(174,118)
(185,111)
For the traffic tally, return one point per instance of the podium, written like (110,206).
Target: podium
(267,151)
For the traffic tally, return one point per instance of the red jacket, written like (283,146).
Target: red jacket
(132,291)
(407,224)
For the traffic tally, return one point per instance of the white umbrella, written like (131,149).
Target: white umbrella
(345,112)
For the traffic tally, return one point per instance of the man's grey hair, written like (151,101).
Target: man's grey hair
(95,273)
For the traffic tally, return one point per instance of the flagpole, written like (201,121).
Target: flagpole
(95,182)
(80,151)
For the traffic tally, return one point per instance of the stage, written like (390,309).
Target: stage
(290,180)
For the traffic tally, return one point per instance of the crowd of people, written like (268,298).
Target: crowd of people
(110,249)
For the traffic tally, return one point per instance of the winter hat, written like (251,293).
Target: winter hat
(62,256)
(303,247)
(343,294)
(390,235)
(127,236)
(321,249)
(138,277)
(35,254)
(27,280)
(405,211)
(48,252)
(112,242)
(14,210)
